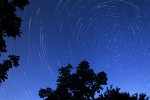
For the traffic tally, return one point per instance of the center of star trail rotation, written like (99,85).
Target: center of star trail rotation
(113,35)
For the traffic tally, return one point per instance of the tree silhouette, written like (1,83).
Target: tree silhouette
(115,94)
(9,27)
(81,85)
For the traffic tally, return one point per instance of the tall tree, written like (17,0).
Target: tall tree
(81,85)
(9,27)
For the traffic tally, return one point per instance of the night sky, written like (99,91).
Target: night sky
(113,35)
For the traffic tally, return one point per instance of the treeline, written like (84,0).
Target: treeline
(83,84)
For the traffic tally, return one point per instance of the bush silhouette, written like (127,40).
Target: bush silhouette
(115,94)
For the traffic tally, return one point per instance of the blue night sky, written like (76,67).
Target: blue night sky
(113,35)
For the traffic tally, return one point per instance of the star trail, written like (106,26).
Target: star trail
(113,35)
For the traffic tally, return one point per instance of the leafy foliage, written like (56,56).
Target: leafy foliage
(81,85)
(9,27)
(115,94)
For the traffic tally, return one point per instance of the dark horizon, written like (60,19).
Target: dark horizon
(113,36)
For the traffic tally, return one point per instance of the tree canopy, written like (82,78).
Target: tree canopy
(81,85)
(115,94)
(9,27)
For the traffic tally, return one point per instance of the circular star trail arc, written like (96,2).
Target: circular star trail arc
(113,35)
